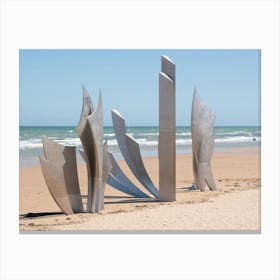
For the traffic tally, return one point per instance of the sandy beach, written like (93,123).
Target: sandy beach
(234,206)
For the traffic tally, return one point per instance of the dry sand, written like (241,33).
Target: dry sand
(234,206)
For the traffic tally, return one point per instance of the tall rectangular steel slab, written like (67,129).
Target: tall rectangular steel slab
(167,131)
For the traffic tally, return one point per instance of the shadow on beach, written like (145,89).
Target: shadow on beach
(39,215)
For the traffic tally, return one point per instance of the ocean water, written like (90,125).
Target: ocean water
(30,144)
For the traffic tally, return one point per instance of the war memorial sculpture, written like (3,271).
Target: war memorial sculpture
(203,136)
(131,152)
(59,165)
(60,172)
(167,131)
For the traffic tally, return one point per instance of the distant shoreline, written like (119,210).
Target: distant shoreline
(34,161)
(30,143)
(129,126)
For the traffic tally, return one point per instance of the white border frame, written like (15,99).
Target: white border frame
(139,24)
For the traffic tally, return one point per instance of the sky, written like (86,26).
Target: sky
(50,91)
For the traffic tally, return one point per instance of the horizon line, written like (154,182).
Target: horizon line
(135,125)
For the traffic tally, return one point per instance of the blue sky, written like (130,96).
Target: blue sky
(50,92)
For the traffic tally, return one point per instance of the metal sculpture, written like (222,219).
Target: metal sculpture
(107,166)
(90,131)
(203,135)
(131,153)
(59,162)
(119,180)
(60,173)
(167,131)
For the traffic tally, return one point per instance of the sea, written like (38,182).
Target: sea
(30,143)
